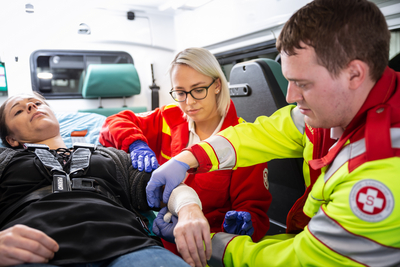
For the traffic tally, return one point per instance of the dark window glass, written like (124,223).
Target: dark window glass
(60,74)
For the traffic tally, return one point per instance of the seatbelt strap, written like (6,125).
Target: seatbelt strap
(35,195)
(80,162)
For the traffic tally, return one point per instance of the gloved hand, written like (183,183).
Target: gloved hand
(164,229)
(170,174)
(238,222)
(142,156)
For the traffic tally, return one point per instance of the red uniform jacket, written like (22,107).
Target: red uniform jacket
(166,131)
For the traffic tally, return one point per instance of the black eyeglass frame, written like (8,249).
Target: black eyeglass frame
(190,92)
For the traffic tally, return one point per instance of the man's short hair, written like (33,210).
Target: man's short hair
(339,31)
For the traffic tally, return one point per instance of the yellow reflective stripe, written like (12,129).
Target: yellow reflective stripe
(165,156)
(165,127)
(170,106)
(211,154)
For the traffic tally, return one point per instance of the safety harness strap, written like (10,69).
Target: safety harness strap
(48,160)
(80,161)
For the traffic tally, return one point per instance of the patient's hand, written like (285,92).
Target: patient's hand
(190,232)
(22,244)
(164,229)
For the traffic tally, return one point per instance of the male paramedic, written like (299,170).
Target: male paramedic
(346,125)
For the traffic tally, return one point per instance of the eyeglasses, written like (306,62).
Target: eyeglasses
(198,93)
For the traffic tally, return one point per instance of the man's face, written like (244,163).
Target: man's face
(322,99)
(29,120)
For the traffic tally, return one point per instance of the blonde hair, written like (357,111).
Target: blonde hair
(205,63)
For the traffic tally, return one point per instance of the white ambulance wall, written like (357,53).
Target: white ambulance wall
(222,25)
(149,39)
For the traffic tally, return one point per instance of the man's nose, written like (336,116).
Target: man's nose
(293,94)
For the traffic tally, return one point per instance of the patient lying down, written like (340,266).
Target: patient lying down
(93,215)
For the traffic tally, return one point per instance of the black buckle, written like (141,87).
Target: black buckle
(61,183)
(32,147)
(91,147)
(83,184)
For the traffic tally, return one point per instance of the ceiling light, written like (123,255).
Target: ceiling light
(45,75)
(84,29)
(29,8)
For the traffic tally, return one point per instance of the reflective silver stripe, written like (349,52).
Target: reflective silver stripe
(298,119)
(355,149)
(219,243)
(224,151)
(357,248)
(348,152)
(395,136)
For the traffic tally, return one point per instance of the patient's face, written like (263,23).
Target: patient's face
(29,120)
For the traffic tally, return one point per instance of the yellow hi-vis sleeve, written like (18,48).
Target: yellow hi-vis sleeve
(267,138)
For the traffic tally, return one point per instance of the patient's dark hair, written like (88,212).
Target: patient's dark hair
(339,31)
(4,131)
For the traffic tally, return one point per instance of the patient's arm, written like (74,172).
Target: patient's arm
(22,244)
(192,228)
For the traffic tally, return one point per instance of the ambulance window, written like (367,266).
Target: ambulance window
(394,52)
(60,74)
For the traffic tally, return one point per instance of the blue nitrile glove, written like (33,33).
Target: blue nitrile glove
(142,156)
(238,222)
(170,174)
(163,229)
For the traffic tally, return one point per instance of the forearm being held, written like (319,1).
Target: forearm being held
(188,158)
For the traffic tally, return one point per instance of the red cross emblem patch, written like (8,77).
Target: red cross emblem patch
(371,200)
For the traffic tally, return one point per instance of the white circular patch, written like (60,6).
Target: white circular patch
(265,177)
(371,200)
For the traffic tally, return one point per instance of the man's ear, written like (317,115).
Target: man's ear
(11,141)
(358,72)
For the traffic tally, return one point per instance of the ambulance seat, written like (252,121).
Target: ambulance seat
(111,81)
(257,87)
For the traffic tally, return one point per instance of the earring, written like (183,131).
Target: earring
(217,91)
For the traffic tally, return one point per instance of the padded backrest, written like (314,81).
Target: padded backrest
(111,80)
(258,88)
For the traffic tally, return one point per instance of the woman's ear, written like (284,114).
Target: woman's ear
(11,141)
(218,86)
